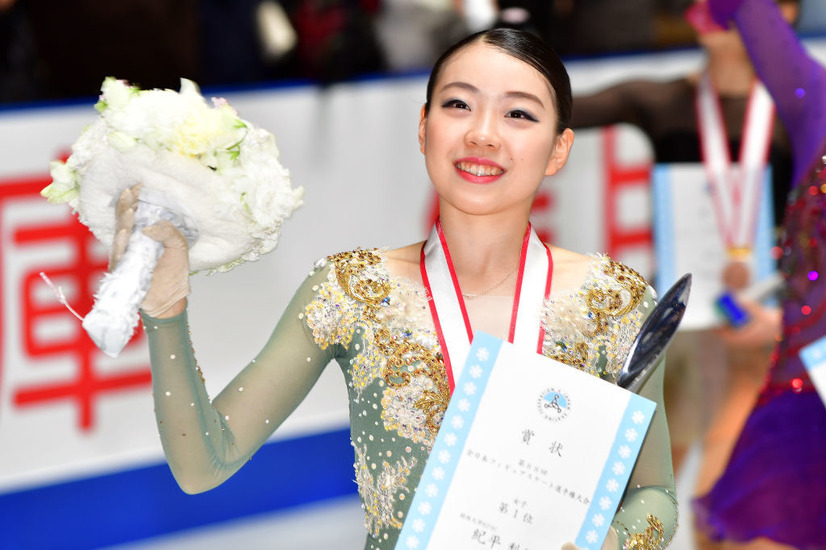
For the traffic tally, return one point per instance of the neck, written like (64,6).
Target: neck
(484,249)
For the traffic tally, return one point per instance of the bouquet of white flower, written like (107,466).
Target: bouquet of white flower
(215,176)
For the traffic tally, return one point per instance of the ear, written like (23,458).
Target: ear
(562,148)
(422,132)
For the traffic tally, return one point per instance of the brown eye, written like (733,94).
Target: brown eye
(455,104)
(520,114)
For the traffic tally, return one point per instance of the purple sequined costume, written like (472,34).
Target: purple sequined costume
(774,485)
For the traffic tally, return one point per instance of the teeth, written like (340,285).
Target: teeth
(479,169)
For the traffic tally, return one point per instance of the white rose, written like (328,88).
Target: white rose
(64,187)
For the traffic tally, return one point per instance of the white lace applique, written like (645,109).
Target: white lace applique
(592,328)
(397,341)
(380,493)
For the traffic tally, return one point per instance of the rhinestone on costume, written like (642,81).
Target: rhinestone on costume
(593,328)
(650,539)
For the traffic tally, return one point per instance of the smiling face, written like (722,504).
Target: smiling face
(489,136)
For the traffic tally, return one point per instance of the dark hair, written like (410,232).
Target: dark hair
(525,47)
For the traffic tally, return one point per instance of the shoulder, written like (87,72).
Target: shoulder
(376,263)
(570,269)
(596,272)
(361,273)
(404,262)
(592,324)
(353,261)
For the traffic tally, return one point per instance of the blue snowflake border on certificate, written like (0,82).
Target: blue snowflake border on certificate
(630,435)
(435,481)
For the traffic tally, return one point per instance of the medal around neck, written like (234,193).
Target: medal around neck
(215,176)
(653,338)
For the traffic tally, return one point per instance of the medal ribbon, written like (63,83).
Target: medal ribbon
(447,305)
(736,190)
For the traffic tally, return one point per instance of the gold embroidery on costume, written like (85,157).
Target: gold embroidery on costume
(650,539)
(331,317)
(429,398)
(349,299)
(354,278)
(399,345)
(593,328)
(391,342)
(379,494)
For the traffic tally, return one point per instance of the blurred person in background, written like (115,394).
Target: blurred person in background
(336,39)
(413,33)
(18,66)
(588,27)
(153,43)
(712,380)
(772,493)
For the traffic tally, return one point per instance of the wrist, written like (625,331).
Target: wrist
(172,311)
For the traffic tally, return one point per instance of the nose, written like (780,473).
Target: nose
(483,131)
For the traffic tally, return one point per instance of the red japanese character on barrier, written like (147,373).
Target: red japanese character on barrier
(622,179)
(37,333)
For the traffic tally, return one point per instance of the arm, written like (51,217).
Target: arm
(647,516)
(614,105)
(205,441)
(795,80)
(648,513)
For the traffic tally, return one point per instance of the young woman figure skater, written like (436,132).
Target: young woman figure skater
(772,493)
(495,123)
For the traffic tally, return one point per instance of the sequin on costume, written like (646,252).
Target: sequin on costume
(593,328)
(396,373)
(650,539)
(379,495)
(397,352)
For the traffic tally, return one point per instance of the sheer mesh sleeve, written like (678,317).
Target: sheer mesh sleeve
(795,80)
(647,516)
(205,441)
(648,513)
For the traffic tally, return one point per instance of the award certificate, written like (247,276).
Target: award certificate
(687,239)
(814,359)
(531,454)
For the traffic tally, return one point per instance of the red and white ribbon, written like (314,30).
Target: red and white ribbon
(736,189)
(447,305)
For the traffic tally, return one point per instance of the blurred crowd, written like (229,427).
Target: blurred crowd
(54,49)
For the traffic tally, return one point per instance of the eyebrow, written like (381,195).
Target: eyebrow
(509,95)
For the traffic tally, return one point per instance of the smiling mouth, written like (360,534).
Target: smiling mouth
(479,169)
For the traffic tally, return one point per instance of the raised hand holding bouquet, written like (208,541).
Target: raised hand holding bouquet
(160,167)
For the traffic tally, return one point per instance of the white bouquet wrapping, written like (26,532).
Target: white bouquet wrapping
(215,176)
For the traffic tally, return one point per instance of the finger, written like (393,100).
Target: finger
(611,539)
(165,232)
(128,198)
(119,246)
(126,205)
